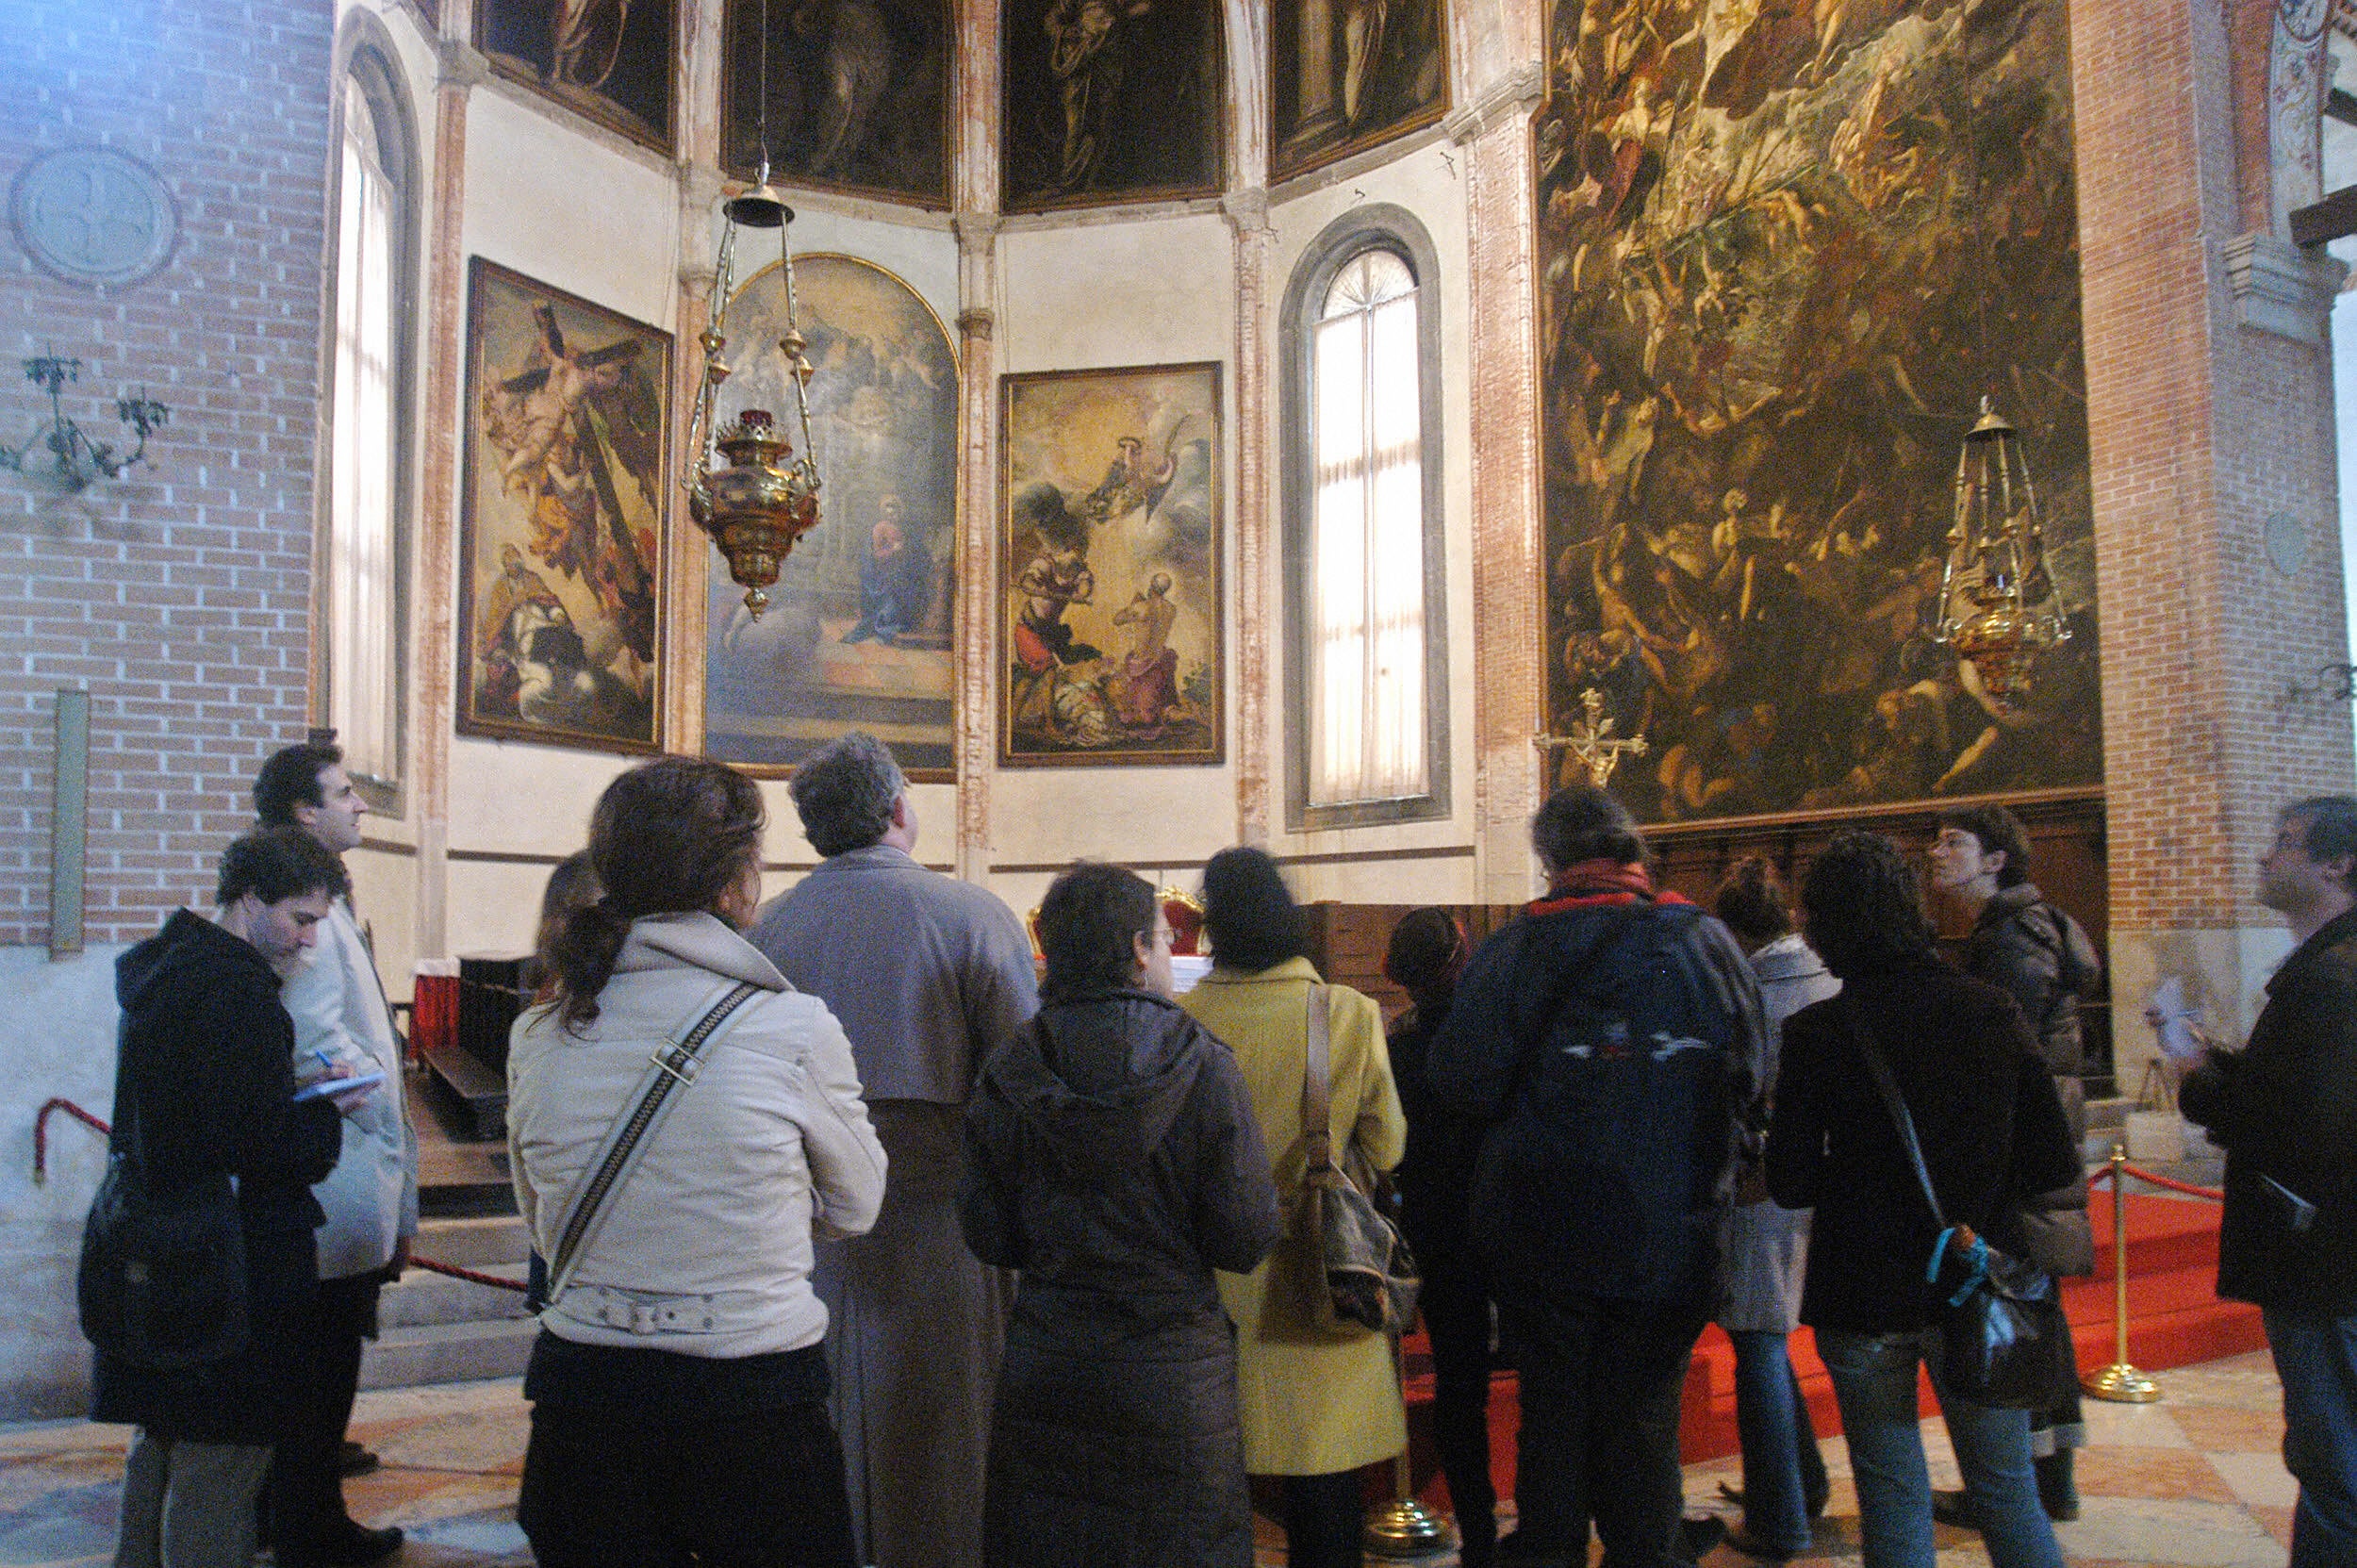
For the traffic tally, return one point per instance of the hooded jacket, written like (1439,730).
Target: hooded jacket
(1113,1158)
(204,1083)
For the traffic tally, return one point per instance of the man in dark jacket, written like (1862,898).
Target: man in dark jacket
(1611,1039)
(2284,1107)
(204,1087)
(2042,957)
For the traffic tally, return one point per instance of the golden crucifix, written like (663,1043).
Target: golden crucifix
(1593,742)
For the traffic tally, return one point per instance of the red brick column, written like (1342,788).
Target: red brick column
(2209,428)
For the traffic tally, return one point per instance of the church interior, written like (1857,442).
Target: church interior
(1329,425)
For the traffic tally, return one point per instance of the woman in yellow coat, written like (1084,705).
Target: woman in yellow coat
(1317,1404)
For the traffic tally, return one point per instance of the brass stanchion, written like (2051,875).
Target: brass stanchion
(2120,1382)
(1403,1527)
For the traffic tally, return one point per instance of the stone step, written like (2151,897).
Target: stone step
(473,1241)
(422,1297)
(447,1353)
(2110,1111)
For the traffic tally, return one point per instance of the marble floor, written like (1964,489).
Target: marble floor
(2195,1481)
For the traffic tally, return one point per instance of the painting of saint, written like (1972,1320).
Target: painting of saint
(850,95)
(1348,75)
(1782,255)
(559,589)
(608,60)
(1113,612)
(1108,101)
(859,636)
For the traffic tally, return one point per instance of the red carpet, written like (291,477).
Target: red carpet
(2174,1319)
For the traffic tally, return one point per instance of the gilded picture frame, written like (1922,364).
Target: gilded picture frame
(860,633)
(608,60)
(565,505)
(1110,530)
(1346,76)
(854,96)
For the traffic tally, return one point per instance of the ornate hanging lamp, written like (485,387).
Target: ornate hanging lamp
(1998,603)
(763,498)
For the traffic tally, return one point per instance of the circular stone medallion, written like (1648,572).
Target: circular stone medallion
(2286,539)
(93,215)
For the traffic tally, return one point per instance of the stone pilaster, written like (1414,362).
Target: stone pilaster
(1257,551)
(1508,572)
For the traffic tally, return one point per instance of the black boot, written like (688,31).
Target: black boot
(2056,1488)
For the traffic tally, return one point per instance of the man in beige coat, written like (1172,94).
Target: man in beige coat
(926,974)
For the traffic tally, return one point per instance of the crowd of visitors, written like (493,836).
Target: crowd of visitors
(862,1237)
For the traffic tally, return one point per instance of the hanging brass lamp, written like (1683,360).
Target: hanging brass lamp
(1998,603)
(763,499)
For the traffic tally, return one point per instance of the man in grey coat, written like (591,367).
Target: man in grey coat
(371,1198)
(926,974)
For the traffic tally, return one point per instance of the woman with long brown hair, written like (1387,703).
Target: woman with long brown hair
(679,1383)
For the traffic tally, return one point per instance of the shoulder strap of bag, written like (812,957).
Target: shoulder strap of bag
(674,1066)
(1317,1086)
(1888,1087)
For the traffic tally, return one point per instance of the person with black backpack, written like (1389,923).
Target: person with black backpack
(1610,1040)
(2042,957)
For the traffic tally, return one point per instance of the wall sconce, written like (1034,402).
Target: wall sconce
(75,459)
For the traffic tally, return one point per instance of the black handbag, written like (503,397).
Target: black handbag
(162,1276)
(2004,1343)
(1367,1278)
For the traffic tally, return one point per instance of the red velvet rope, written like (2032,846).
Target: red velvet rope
(2110,1173)
(40,1131)
(40,1174)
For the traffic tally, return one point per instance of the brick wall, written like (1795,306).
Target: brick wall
(178,597)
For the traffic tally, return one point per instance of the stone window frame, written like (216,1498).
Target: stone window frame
(1371,226)
(368,60)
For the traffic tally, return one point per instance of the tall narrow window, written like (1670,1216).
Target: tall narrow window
(1367,731)
(362,597)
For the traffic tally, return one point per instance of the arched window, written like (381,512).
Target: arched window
(363,591)
(1364,557)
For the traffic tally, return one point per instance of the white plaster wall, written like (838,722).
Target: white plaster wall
(1428,183)
(56,1035)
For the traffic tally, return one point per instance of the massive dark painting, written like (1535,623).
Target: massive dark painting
(1109,101)
(860,633)
(609,60)
(858,94)
(1784,253)
(1348,75)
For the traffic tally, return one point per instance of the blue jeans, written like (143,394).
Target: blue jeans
(2316,1359)
(1784,1476)
(1873,1380)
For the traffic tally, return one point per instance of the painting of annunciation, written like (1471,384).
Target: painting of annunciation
(859,632)
(1782,256)
(566,493)
(1111,544)
(843,94)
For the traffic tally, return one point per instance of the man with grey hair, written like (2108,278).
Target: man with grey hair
(926,974)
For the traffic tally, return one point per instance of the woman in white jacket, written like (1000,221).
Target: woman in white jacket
(678,1385)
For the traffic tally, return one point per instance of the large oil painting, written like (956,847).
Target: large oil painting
(1111,541)
(1109,101)
(1345,76)
(608,60)
(560,554)
(858,633)
(852,95)
(1784,254)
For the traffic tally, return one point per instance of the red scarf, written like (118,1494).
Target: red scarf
(1598,883)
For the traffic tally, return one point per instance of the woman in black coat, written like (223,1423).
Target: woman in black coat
(1993,1137)
(1113,1158)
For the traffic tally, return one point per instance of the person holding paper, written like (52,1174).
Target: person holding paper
(371,1198)
(205,1092)
(2284,1108)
